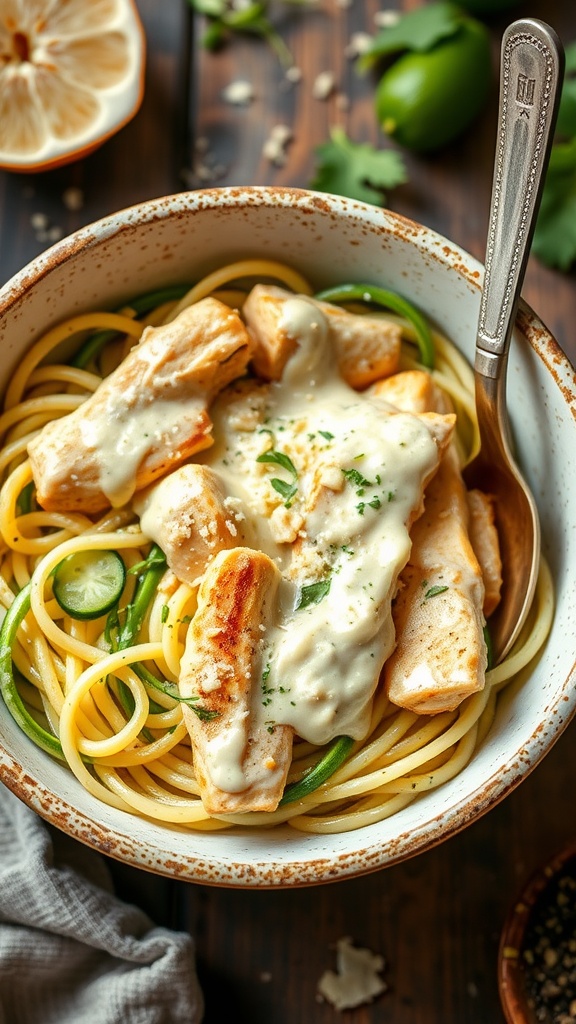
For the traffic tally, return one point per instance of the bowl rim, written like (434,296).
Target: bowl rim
(370,855)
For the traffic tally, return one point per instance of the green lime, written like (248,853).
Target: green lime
(424,100)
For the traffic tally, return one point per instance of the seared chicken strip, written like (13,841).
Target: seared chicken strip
(188,515)
(240,765)
(484,538)
(146,418)
(367,349)
(440,654)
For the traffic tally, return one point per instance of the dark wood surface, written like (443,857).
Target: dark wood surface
(435,919)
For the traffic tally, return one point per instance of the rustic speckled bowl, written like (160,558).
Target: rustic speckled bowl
(331,240)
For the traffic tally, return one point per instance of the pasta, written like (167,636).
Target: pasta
(102,694)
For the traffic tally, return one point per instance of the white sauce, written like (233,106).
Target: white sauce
(132,428)
(360,470)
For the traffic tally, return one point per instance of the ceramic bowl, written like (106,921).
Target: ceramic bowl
(330,240)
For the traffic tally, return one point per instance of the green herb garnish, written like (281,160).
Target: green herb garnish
(434,591)
(287,489)
(313,593)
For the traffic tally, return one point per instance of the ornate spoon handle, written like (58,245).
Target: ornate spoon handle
(532,65)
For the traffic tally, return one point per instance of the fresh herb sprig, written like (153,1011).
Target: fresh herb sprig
(227,18)
(287,489)
(357,169)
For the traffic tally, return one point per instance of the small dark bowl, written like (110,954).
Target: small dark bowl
(527,922)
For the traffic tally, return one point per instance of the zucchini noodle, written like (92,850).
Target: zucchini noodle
(102,695)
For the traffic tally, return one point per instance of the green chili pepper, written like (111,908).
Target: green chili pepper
(14,616)
(335,755)
(388,300)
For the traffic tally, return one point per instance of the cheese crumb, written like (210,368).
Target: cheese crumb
(239,93)
(359,43)
(357,979)
(284,524)
(332,477)
(274,149)
(73,198)
(387,19)
(324,85)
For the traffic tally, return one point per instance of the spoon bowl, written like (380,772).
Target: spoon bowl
(532,63)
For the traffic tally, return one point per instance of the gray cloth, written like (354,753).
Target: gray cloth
(71,952)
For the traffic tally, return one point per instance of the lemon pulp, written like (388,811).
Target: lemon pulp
(71,74)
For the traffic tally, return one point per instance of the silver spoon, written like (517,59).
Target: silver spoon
(532,65)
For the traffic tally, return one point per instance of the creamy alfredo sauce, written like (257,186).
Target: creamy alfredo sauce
(338,533)
(134,423)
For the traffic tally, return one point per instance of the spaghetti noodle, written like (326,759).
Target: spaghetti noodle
(102,695)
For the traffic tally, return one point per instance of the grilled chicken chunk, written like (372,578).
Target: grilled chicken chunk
(240,765)
(188,515)
(484,538)
(440,654)
(367,349)
(146,418)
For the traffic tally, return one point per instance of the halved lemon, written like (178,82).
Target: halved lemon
(71,74)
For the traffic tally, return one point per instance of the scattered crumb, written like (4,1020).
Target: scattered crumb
(472,989)
(73,198)
(293,74)
(204,169)
(324,85)
(239,93)
(39,221)
(357,979)
(265,977)
(274,148)
(358,44)
(387,19)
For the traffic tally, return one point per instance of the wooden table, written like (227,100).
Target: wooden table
(436,919)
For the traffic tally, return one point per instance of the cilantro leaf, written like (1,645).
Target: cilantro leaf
(357,170)
(418,30)
(555,236)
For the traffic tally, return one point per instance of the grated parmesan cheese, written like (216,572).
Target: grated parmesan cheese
(238,93)
(357,980)
(324,85)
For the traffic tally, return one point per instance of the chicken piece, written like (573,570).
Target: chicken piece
(484,539)
(415,390)
(186,514)
(146,418)
(412,391)
(440,655)
(240,764)
(367,349)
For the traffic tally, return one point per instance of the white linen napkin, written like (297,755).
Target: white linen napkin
(71,952)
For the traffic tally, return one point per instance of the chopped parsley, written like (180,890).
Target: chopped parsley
(353,476)
(313,593)
(434,591)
